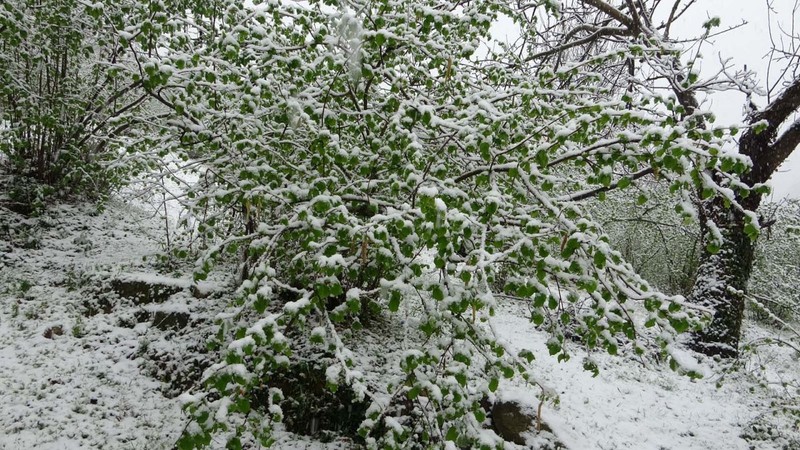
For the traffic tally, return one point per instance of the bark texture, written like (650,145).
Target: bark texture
(721,280)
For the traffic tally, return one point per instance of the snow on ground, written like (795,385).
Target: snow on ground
(81,386)
(630,406)
(70,381)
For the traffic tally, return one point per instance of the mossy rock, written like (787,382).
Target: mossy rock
(143,292)
(515,422)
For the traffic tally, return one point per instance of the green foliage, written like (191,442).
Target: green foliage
(63,107)
(369,165)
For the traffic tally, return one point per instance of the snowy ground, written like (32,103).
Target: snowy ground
(81,386)
(630,406)
(70,381)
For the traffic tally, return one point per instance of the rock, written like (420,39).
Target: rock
(517,423)
(93,306)
(510,421)
(164,320)
(144,291)
(50,332)
(200,291)
(170,320)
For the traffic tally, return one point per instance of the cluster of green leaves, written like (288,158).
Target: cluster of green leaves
(368,161)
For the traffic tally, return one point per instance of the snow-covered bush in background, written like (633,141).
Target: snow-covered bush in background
(661,246)
(65,104)
(773,285)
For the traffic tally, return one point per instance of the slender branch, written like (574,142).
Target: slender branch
(583,195)
(479,170)
(599,32)
(634,14)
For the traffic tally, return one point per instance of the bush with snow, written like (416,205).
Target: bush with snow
(382,173)
(370,165)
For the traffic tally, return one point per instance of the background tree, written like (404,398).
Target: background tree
(728,222)
(777,264)
(661,246)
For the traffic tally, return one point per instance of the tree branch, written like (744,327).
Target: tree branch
(613,12)
(599,32)
(779,109)
(765,149)
(583,195)
(785,144)
(634,14)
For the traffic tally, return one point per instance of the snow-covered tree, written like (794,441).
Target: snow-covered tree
(773,284)
(728,222)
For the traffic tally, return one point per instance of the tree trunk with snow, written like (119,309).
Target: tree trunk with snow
(722,277)
(721,280)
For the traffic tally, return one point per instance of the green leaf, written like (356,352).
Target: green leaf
(680,324)
(590,366)
(527,355)
(599,259)
(465,277)
(570,247)
(452,434)
(751,231)
(413,392)
(394,301)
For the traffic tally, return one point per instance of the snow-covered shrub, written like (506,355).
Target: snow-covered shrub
(382,178)
(773,284)
(64,108)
